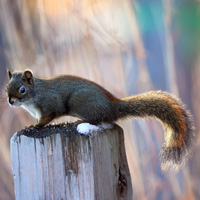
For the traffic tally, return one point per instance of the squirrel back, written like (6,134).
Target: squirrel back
(49,98)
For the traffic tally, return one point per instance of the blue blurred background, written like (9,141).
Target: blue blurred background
(128,47)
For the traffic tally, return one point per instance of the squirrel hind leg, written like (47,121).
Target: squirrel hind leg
(99,119)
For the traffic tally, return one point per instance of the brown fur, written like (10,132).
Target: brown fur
(75,96)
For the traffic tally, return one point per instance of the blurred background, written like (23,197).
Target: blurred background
(127,46)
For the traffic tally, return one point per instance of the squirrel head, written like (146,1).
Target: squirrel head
(20,88)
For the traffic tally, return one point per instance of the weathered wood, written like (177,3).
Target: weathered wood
(71,166)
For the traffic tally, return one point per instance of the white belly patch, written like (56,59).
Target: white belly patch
(32,109)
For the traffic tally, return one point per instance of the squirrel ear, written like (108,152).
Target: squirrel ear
(9,74)
(27,75)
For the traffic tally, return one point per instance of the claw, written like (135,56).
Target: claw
(30,126)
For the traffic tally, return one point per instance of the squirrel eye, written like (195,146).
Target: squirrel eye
(22,90)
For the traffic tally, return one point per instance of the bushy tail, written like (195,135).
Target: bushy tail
(176,119)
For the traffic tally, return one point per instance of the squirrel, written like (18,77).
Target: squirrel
(46,99)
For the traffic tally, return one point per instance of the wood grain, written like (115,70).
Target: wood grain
(64,167)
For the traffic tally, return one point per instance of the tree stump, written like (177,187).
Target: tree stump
(57,162)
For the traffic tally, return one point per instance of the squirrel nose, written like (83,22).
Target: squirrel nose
(11,101)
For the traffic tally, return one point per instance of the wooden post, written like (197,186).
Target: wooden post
(71,166)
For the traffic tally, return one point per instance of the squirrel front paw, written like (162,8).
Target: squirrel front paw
(30,126)
(33,126)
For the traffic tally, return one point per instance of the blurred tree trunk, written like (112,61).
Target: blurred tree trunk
(128,47)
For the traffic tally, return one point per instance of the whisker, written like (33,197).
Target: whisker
(2,83)
(3,102)
(3,97)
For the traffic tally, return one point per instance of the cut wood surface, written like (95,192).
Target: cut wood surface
(71,166)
